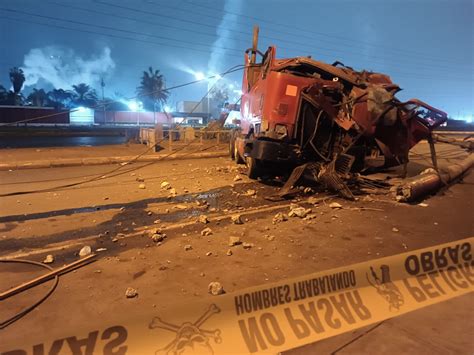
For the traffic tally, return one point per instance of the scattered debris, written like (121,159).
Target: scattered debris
(215,288)
(279,217)
(251,192)
(173,192)
(188,247)
(229,252)
(236,219)
(203,219)
(297,211)
(115,240)
(158,237)
(181,207)
(247,245)
(269,237)
(142,186)
(130,292)
(49,259)
(335,205)
(422,204)
(165,185)
(85,251)
(237,178)
(101,249)
(149,213)
(206,231)
(394,229)
(234,241)
(209,253)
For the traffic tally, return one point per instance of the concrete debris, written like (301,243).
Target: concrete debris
(270,238)
(165,185)
(115,240)
(251,192)
(173,192)
(297,211)
(423,204)
(394,229)
(310,216)
(158,237)
(101,249)
(335,205)
(49,259)
(236,219)
(130,292)
(209,253)
(313,200)
(149,213)
(247,245)
(308,190)
(203,219)
(237,178)
(188,247)
(215,288)
(157,221)
(181,207)
(279,217)
(234,241)
(142,186)
(85,251)
(229,252)
(206,231)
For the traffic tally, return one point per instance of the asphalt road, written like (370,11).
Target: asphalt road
(50,219)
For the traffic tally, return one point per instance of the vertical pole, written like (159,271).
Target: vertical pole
(170,138)
(218,137)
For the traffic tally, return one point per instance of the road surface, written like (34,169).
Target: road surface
(115,213)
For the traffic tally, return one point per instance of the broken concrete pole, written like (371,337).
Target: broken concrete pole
(430,181)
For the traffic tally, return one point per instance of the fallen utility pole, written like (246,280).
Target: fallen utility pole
(29,284)
(431,180)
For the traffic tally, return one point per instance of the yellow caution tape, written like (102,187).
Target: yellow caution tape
(279,316)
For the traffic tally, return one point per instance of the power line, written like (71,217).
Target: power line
(324,50)
(113,29)
(112,35)
(260,19)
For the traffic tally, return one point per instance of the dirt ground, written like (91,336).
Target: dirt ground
(116,214)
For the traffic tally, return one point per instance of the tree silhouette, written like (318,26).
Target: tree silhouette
(152,89)
(17,78)
(37,98)
(84,95)
(59,98)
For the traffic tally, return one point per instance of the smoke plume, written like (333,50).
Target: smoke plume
(62,67)
(226,27)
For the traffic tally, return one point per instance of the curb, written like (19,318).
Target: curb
(61,163)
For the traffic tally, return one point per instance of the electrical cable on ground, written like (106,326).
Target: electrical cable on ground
(28,309)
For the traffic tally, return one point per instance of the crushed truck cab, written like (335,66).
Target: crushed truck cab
(297,111)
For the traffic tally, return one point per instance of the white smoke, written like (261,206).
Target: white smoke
(62,68)
(226,27)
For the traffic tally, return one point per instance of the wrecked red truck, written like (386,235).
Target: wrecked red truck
(299,114)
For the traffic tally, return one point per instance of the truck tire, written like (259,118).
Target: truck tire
(255,169)
(232,145)
(238,158)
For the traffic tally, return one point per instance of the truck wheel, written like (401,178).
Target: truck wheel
(255,169)
(237,156)
(232,146)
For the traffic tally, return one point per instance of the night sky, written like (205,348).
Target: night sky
(427,46)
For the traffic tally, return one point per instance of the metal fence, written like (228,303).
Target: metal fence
(187,135)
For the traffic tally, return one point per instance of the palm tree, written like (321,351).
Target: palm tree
(38,97)
(152,89)
(59,98)
(17,77)
(84,95)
